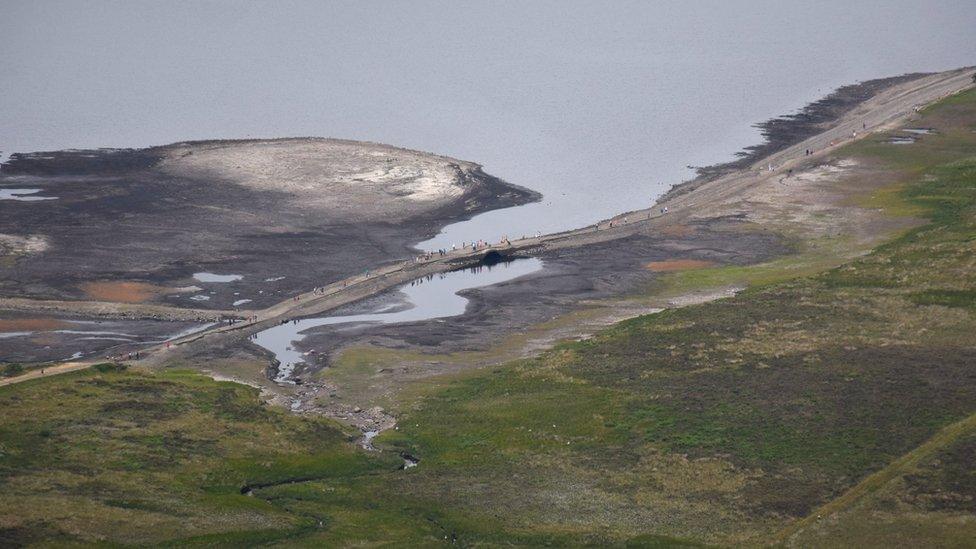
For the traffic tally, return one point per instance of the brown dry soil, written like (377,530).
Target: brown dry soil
(123,292)
(30,324)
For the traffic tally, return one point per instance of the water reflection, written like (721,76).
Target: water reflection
(433,296)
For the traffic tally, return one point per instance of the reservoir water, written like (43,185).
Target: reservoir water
(599,106)
(424,299)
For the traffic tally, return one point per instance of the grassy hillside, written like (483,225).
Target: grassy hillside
(721,423)
(128,456)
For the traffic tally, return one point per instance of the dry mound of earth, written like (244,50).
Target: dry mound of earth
(21,245)
(345,178)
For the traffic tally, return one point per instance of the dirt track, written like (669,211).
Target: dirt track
(699,201)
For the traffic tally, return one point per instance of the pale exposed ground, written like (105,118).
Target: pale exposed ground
(349,180)
(812,203)
(13,245)
(62,368)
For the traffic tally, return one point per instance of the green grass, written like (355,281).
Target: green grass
(810,258)
(128,456)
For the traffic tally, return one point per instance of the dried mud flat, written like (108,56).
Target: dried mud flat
(284,214)
(347,181)
(31,337)
(136,226)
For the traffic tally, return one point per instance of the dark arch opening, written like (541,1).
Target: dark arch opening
(492,258)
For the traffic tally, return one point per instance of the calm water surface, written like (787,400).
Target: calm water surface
(600,106)
(423,299)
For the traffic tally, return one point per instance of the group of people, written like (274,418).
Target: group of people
(231,321)
(474,246)
(134,355)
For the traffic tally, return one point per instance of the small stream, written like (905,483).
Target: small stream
(426,298)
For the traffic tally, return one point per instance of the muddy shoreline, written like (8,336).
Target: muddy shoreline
(787,130)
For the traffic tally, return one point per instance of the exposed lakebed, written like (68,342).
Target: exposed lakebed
(28,338)
(217,214)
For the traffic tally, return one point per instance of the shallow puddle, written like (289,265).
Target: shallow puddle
(213,277)
(426,298)
(23,195)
